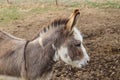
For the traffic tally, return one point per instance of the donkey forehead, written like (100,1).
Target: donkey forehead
(77,34)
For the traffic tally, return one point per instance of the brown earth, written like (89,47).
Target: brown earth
(101,31)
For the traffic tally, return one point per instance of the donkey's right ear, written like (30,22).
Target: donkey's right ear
(72,20)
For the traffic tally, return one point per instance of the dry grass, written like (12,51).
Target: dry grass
(20,9)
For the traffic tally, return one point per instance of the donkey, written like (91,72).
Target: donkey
(34,59)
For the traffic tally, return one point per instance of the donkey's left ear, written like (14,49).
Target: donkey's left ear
(72,20)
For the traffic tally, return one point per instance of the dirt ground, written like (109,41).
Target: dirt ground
(101,31)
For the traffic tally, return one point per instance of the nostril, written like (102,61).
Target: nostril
(87,61)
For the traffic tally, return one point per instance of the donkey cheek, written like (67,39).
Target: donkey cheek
(80,53)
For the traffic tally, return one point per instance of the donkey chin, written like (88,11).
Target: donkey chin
(79,63)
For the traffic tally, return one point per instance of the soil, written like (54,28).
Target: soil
(101,32)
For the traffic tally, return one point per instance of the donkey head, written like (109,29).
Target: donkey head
(67,40)
(71,49)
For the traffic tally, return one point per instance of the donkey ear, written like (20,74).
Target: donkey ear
(72,19)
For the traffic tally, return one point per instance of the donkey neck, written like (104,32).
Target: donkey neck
(41,58)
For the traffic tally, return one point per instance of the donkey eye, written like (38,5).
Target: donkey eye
(78,45)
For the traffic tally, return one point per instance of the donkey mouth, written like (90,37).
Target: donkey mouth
(84,62)
(80,64)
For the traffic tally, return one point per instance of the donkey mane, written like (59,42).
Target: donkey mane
(60,21)
(52,25)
